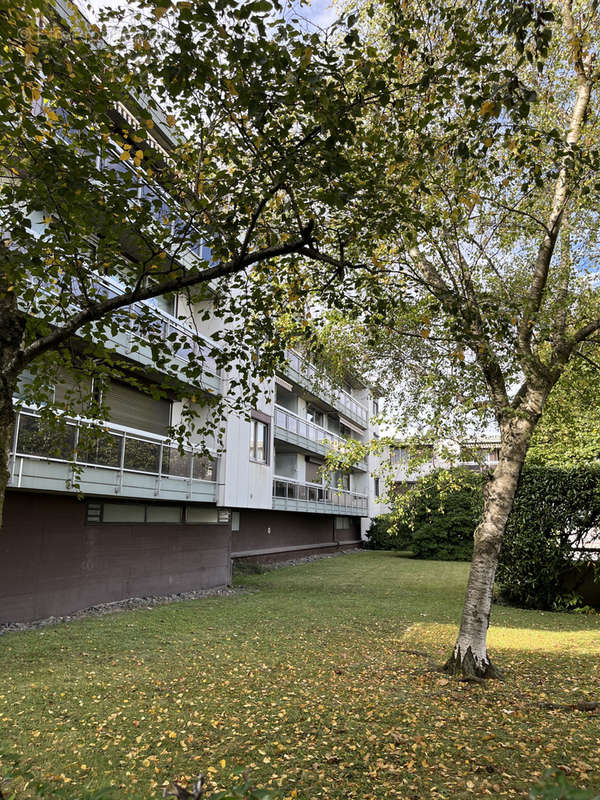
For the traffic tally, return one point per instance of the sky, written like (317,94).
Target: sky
(321,13)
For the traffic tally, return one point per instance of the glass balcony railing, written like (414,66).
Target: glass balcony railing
(288,489)
(294,424)
(109,446)
(189,344)
(162,209)
(298,366)
(184,343)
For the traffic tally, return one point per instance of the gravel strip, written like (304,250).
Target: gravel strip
(294,562)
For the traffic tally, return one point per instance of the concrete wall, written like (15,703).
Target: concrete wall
(52,563)
(284,532)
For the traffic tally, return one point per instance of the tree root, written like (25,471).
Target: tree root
(584,705)
(466,669)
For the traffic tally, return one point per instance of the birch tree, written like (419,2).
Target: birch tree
(474,305)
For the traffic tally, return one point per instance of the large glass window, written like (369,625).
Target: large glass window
(399,455)
(259,441)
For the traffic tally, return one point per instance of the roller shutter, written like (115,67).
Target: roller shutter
(134,409)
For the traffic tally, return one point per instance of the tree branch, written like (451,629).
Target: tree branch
(100,310)
(560,195)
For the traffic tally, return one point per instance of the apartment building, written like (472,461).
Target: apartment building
(124,512)
(127,514)
(477,455)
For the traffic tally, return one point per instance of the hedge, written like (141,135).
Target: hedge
(436,519)
(553,510)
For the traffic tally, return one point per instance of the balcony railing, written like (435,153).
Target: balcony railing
(192,347)
(298,366)
(289,489)
(182,341)
(309,430)
(319,439)
(115,449)
(162,209)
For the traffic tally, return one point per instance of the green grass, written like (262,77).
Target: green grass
(305,681)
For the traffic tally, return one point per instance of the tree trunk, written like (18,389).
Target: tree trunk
(12,326)
(7,424)
(469,657)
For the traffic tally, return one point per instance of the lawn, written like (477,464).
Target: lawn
(305,680)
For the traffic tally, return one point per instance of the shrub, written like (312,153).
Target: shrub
(435,519)
(553,509)
(383,535)
(442,512)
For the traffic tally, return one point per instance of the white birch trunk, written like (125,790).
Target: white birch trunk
(470,657)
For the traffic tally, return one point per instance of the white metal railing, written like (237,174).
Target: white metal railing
(345,400)
(85,443)
(290,489)
(294,424)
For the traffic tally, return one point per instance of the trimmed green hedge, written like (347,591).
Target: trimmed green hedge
(553,510)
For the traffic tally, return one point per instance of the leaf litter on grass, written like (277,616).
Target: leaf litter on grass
(308,685)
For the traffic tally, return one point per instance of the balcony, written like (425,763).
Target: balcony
(305,374)
(291,428)
(289,495)
(127,338)
(113,460)
(190,346)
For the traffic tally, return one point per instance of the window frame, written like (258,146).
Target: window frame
(259,419)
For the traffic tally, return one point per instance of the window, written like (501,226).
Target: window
(148,513)
(259,441)
(314,415)
(345,481)
(313,469)
(399,455)
(375,406)
(123,512)
(201,515)
(163,513)
(376,487)
(165,302)
(342,523)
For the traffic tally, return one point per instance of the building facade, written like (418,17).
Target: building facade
(98,517)
(93,520)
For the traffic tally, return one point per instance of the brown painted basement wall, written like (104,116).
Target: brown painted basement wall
(52,563)
(269,531)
